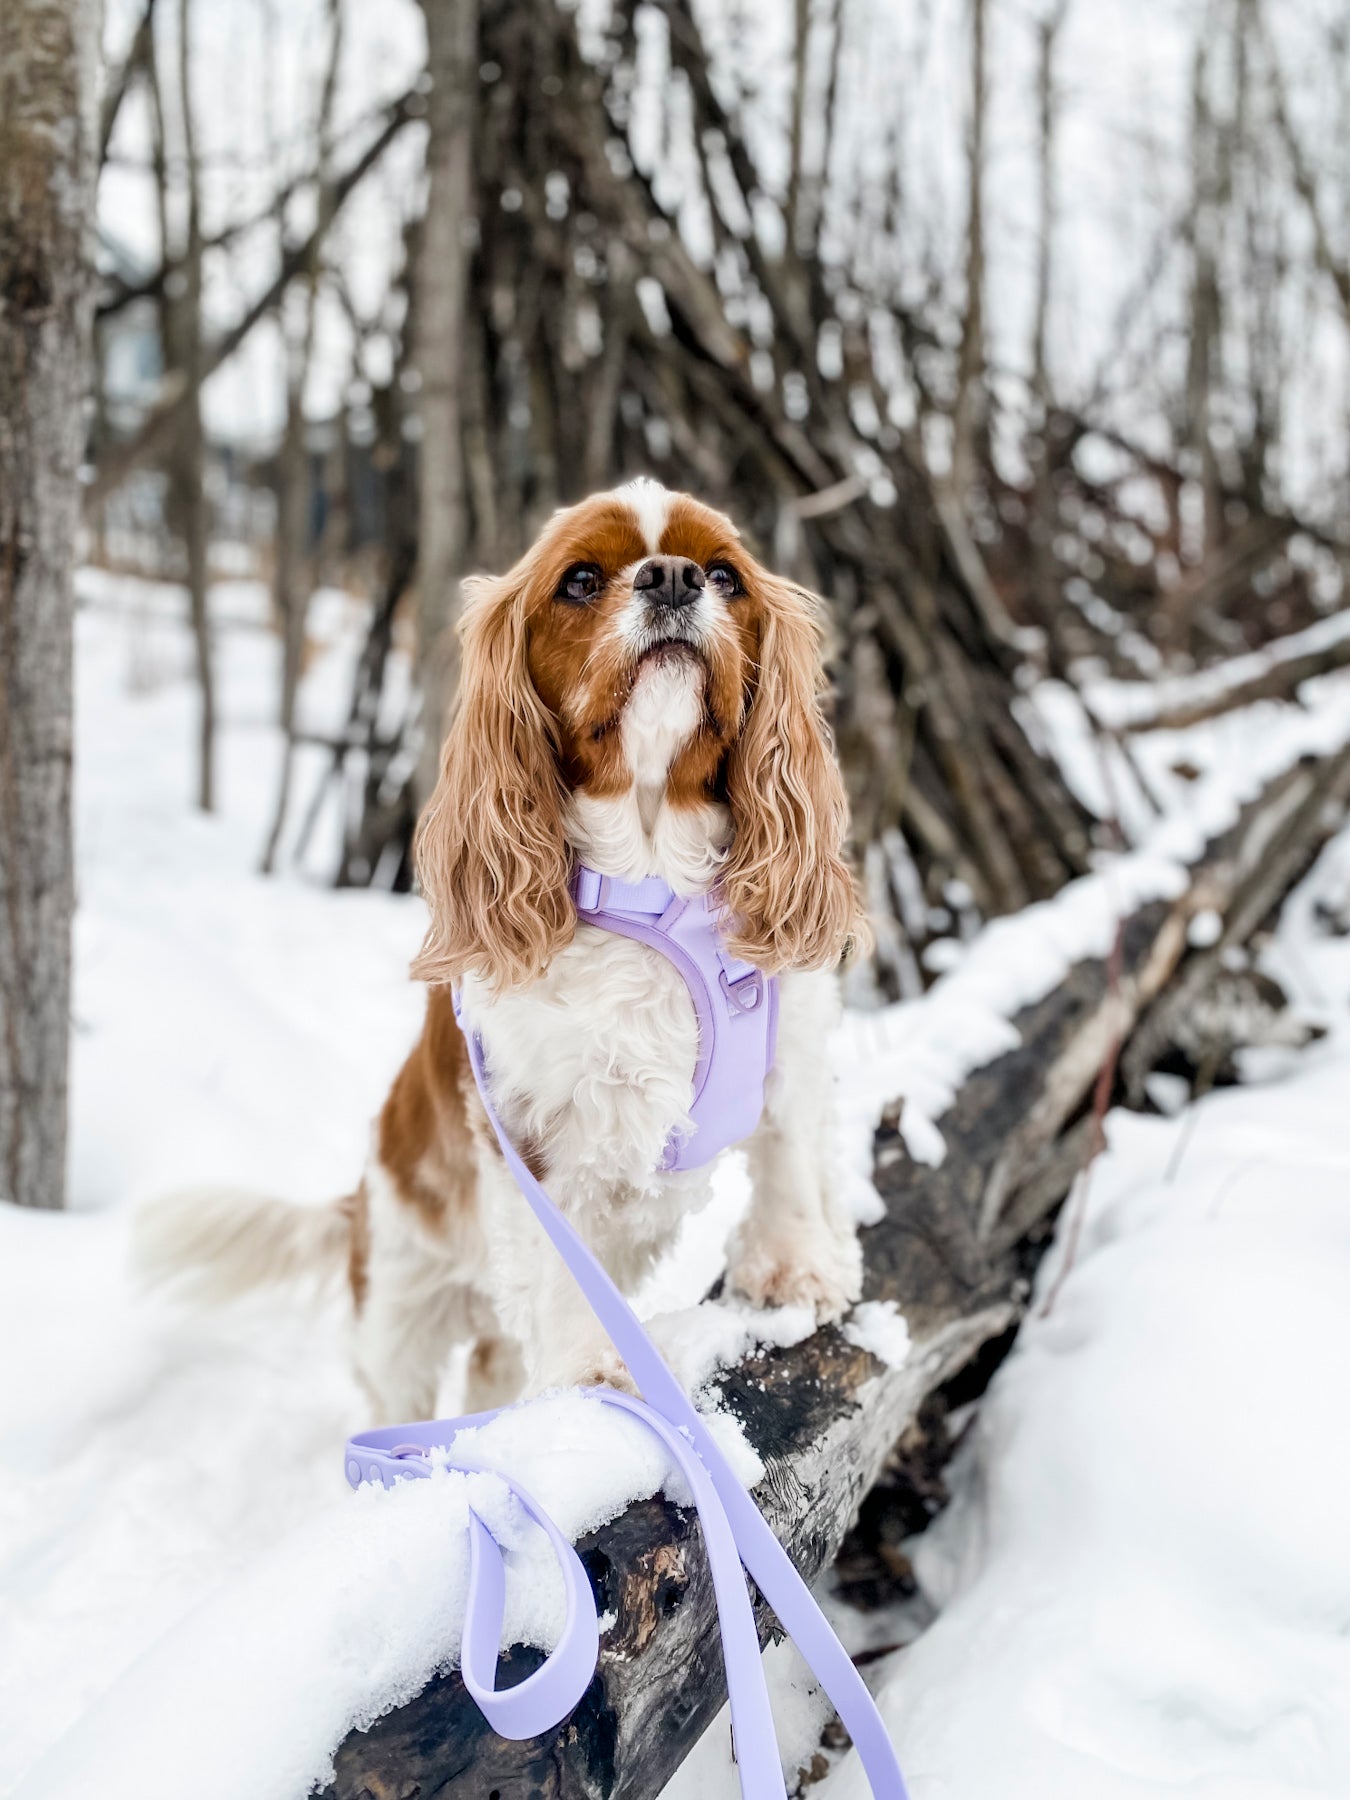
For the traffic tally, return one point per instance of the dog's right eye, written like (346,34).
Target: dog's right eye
(580,584)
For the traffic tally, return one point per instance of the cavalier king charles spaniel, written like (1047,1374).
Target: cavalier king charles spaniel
(640,695)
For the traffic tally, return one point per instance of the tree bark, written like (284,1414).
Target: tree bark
(49,134)
(1047,34)
(968,415)
(188,475)
(293,580)
(442,288)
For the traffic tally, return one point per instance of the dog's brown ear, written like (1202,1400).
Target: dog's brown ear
(490,851)
(786,881)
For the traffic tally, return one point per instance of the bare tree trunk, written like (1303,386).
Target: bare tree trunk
(291,580)
(968,414)
(806,216)
(1203,348)
(442,286)
(1328,258)
(1041,525)
(1047,34)
(189,468)
(293,583)
(48,147)
(793,203)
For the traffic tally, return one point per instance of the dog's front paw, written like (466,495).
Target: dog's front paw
(825,1275)
(600,1368)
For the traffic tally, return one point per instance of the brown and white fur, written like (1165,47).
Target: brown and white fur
(598,719)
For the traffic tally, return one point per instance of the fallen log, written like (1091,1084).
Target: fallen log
(955,1250)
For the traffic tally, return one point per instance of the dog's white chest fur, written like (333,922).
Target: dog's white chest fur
(594,1063)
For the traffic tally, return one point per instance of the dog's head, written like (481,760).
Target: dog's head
(639,690)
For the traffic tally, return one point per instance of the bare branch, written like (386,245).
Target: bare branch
(156,429)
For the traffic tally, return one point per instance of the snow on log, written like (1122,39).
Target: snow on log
(1275,672)
(953,1251)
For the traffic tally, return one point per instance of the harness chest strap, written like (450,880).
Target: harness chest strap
(735,1003)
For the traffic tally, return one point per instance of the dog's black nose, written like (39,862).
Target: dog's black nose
(669,581)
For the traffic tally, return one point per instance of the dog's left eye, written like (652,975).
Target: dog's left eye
(580,584)
(724,580)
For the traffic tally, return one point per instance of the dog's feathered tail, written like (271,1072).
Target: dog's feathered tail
(217,1244)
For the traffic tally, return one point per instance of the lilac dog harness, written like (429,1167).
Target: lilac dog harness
(736,1007)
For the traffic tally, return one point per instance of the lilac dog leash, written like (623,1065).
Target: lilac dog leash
(735,1534)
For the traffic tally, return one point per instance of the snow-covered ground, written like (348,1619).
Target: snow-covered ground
(224,1027)
(1143,1580)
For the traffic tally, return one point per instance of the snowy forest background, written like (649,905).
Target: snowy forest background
(1018,329)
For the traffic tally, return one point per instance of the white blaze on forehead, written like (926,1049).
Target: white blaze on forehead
(650,505)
